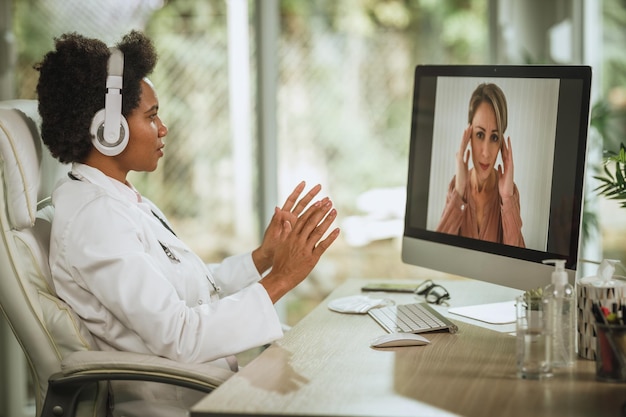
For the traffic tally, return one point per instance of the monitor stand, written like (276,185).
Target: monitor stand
(493,313)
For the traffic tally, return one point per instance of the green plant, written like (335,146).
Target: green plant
(532,298)
(609,123)
(613,182)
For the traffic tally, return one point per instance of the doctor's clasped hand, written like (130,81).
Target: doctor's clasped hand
(292,244)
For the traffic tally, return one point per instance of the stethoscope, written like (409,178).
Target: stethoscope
(168,252)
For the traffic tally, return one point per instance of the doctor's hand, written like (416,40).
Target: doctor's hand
(297,255)
(462,160)
(276,231)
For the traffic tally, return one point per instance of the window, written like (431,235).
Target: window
(344,109)
(344,96)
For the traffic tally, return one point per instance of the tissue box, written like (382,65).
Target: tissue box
(588,294)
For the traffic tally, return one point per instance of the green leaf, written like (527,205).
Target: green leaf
(613,184)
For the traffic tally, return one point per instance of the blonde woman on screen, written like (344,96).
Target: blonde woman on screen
(483,202)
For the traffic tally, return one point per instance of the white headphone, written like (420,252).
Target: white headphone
(109,129)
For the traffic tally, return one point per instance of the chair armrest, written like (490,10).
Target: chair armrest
(84,368)
(137,366)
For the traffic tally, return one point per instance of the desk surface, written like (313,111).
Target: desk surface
(324,366)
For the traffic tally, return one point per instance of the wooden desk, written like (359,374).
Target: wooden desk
(324,366)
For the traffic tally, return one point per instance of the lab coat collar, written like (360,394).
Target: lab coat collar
(95,176)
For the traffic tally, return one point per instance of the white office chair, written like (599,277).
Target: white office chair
(69,377)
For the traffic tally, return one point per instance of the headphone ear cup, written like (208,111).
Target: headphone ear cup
(104,146)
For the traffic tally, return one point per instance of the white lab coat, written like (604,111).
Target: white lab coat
(109,263)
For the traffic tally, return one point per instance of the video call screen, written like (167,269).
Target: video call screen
(545,121)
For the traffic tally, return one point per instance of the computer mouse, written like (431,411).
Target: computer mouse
(399,339)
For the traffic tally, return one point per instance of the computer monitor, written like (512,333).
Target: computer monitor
(548,117)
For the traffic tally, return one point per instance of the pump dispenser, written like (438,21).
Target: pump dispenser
(561,305)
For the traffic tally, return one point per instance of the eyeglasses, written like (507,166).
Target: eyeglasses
(433,293)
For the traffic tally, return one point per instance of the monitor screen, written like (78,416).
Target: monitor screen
(496,171)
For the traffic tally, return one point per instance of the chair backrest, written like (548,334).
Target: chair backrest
(46,328)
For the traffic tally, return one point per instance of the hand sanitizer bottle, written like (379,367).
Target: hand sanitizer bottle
(561,303)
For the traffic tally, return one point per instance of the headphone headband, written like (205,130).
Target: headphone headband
(113,99)
(115,65)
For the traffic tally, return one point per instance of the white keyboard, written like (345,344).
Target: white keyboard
(411,318)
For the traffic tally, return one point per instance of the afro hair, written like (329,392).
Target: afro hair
(72,88)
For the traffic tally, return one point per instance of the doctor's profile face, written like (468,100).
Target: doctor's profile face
(145,145)
(485,141)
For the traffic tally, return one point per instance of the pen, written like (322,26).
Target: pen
(597,313)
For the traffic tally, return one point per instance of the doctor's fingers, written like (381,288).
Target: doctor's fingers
(293,197)
(311,218)
(310,237)
(277,229)
(290,204)
(314,229)
(304,201)
(322,245)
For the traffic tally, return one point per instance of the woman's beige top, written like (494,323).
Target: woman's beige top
(501,223)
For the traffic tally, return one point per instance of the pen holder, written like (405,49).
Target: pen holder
(587,295)
(611,352)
